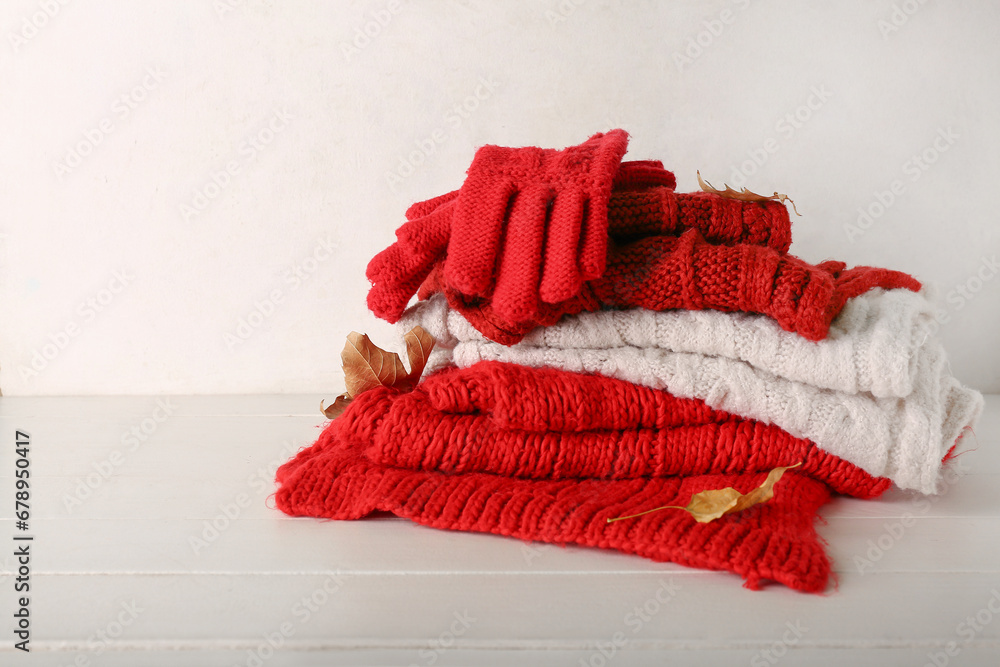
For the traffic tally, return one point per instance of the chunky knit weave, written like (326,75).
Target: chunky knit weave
(635,210)
(772,541)
(665,272)
(874,344)
(549,455)
(902,439)
(661,211)
(642,174)
(548,424)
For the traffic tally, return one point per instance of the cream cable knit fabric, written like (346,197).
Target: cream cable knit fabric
(903,438)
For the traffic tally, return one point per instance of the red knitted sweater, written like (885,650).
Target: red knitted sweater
(665,272)
(549,455)
(517,421)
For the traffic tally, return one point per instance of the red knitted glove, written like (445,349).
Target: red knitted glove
(773,540)
(666,272)
(422,241)
(398,271)
(641,208)
(631,175)
(520,205)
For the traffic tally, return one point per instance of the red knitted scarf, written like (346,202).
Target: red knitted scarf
(549,455)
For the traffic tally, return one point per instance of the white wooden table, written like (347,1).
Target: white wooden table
(155,543)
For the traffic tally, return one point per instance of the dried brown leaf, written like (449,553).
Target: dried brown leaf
(419,344)
(337,407)
(744,194)
(709,505)
(367,366)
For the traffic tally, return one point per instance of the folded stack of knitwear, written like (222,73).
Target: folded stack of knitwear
(606,346)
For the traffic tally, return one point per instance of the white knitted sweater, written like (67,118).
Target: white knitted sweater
(876,392)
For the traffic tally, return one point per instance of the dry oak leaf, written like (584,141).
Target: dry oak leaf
(709,505)
(367,366)
(744,194)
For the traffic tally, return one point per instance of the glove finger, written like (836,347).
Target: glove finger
(396,276)
(396,265)
(593,248)
(476,231)
(421,243)
(428,235)
(516,295)
(422,208)
(560,274)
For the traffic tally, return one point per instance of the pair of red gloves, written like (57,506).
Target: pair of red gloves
(534,234)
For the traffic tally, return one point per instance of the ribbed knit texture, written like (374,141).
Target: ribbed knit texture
(549,424)
(549,455)
(665,272)
(634,211)
(874,344)
(661,211)
(577,425)
(902,439)
(772,541)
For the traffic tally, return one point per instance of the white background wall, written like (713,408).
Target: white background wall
(116,115)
